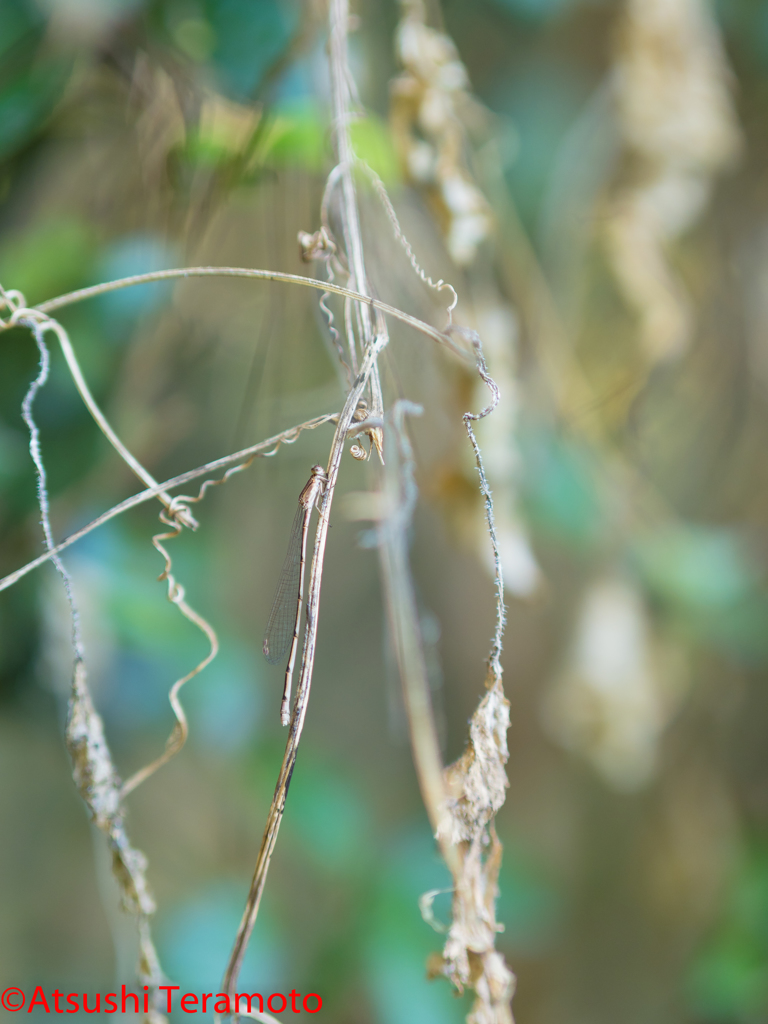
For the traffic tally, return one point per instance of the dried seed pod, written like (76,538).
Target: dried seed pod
(315,247)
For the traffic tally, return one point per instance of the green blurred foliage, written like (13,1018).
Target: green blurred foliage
(332,822)
(29,89)
(534,10)
(708,581)
(559,488)
(248,39)
(195,937)
(728,982)
(297,138)
(399,941)
(56,256)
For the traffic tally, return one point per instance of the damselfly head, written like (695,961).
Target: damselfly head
(318,471)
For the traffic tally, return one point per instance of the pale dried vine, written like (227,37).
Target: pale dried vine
(92,767)
(462,801)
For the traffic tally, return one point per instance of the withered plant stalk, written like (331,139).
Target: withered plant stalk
(461,802)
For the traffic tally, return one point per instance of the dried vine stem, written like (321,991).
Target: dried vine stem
(92,766)
(350,216)
(68,299)
(99,786)
(176,595)
(179,512)
(367,379)
(38,333)
(243,458)
(342,82)
(462,801)
(19,314)
(403,617)
(277,807)
(476,785)
(469,418)
(386,202)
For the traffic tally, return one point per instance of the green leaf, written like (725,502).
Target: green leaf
(558,489)
(297,137)
(329,817)
(249,38)
(372,141)
(26,102)
(696,567)
(705,578)
(51,258)
(728,980)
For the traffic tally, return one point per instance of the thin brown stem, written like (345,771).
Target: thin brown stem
(30,317)
(68,299)
(244,457)
(368,377)
(277,807)
(403,617)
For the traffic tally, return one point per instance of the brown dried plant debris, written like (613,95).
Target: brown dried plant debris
(92,766)
(679,127)
(431,103)
(475,789)
(477,781)
(470,793)
(463,800)
(426,101)
(99,786)
(476,784)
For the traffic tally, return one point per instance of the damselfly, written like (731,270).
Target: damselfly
(285,618)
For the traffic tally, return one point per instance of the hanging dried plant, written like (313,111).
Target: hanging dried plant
(427,100)
(679,129)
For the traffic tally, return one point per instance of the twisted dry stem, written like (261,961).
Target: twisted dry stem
(92,767)
(366,379)
(176,595)
(403,617)
(459,833)
(179,512)
(466,960)
(93,770)
(51,305)
(243,459)
(386,202)
(28,317)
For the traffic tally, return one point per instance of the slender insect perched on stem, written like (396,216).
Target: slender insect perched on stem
(285,618)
